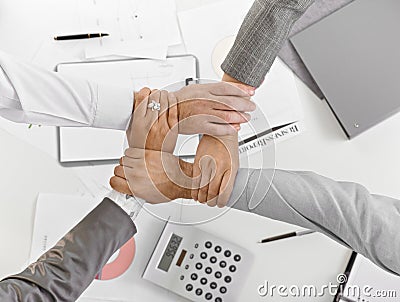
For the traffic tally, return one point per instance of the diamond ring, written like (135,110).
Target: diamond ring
(154,106)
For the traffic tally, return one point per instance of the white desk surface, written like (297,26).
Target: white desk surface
(370,159)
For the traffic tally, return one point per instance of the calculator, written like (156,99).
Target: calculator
(198,265)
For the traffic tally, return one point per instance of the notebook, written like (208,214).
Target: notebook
(79,145)
(353,57)
(317,11)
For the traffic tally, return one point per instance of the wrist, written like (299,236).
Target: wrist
(187,170)
(248,88)
(129,204)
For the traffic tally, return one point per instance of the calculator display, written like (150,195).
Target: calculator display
(169,252)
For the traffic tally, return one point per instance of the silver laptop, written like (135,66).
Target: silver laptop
(354,56)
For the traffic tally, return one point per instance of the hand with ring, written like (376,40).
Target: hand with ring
(149,170)
(214,109)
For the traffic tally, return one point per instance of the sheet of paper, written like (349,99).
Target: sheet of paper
(133,25)
(174,32)
(27,29)
(367,276)
(57,214)
(277,98)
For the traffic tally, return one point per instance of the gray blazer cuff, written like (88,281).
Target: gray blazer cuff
(260,38)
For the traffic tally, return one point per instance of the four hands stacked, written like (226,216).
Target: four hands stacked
(150,171)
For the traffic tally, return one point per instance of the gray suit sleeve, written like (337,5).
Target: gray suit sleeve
(260,38)
(346,212)
(67,269)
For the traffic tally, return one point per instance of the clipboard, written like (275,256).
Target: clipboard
(85,146)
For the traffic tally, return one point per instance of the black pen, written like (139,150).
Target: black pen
(80,36)
(288,235)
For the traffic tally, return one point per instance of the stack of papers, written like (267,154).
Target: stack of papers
(137,28)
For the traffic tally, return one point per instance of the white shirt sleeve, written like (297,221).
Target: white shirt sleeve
(32,95)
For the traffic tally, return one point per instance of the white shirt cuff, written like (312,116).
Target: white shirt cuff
(130,204)
(114,107)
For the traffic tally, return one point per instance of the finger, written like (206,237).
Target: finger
(213,190)
(233,103)
(226,189)
(164,104)
(152,115)
(134,153)
(126,162)
(120,185)
(219,129)
(206,172)
(208,168)
(120,171)
(141,95)
(139,107)
(224,88)
(196,174)
(246,88)
(230,117)
(173,110)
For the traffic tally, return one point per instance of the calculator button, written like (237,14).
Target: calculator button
(223,290)
(228,279)
(227,253)
(213,259)
(208,270)
(208,244)
(237,258)
(196,245)
(187,266)
(222,264)
(189,287)
(213,285)
(218,275)
(199,265)
(208,296)
(232,268)
(182,277)
(203,255)
(203,281)
(218,249)
(191,256)
(199,291)
(218,299)
(193,276)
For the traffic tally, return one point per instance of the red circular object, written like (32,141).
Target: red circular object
(121,264)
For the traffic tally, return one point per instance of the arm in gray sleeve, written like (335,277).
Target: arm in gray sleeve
(346,212)
(66,270)
(261,36)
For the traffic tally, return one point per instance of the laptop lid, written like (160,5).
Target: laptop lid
(354,56)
